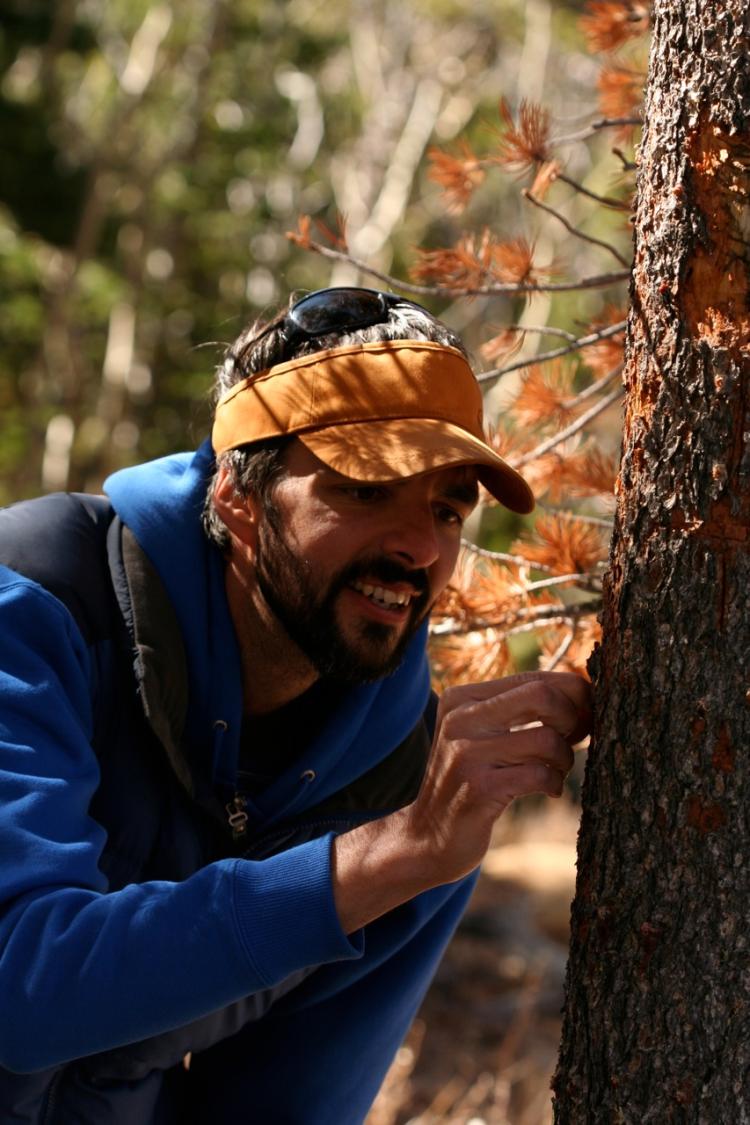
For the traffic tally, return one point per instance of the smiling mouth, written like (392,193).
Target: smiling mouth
(380,596)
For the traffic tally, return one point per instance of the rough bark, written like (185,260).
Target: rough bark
(657,1017)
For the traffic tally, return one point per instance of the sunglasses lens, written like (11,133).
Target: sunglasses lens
(333,310)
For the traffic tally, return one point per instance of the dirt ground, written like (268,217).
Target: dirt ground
(484,1045)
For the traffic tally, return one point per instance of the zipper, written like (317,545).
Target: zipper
(237,816)
(51,1098)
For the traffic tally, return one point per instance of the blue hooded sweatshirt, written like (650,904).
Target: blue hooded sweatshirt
(89,967)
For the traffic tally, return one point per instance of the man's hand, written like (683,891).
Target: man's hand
(493,742)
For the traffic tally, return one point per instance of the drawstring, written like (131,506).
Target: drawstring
(306,778)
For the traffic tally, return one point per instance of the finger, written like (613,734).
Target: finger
(575,686)
(507,783)
(537,744)
(531,701)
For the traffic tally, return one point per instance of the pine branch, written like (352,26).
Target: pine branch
(503,556)
(587,581)
(569,431)
(574,230)
(562,650)
(532,617)
(542,330)
(581,342)
(597,282)
(563,513)
(605,200)
(595,127)
(594,388)
(627,165)
(533,627)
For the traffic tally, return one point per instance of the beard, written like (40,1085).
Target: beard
(308,612)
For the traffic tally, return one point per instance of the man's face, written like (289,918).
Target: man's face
(349,569)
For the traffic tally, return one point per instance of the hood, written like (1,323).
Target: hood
(161,503)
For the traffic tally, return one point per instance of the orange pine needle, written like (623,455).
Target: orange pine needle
(480,591)
(513,262)
(476,594)
(471,659)
(524,145)
(589,472)
(504,345)
(478,260)
(301,236)
(542,475)
(336,238)
(585,472)
(605,355)
(566,546)
(621,91)
(510,443)
(467,265)
(607,24)
(544,396)
(458,176)
(588,633)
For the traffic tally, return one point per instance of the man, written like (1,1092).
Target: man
(232,860)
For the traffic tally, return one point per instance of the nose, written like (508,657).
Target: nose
(412,539)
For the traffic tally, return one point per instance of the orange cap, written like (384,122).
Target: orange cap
(373,412)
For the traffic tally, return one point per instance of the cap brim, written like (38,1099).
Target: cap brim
(402,447)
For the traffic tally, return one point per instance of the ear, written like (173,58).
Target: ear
(239,514)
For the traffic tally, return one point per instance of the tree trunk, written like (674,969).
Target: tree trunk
(657,1017)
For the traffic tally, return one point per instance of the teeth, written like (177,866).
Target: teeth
(380,594)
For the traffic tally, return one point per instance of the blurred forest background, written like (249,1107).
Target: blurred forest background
(157,154)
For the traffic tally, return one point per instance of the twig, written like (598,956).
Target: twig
(531,627)
(564,514)
(562,650)
(587,580)
(531,616)
(597,282)
(502,556)
(593,388)
(627,165)
(605,200)
(545,357)
(595,126)
(541,330)
(569,431)
(574,230)
(554,616)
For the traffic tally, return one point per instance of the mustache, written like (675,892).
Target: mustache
(387,570)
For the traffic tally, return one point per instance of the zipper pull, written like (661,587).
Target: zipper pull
(237,816)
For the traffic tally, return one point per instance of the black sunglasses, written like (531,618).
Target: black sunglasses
(339,309)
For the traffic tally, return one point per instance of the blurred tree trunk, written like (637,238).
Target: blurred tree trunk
(657,1020)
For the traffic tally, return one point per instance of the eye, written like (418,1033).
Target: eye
(450,516)
(364,493)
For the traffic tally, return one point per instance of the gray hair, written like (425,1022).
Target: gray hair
(256,468)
